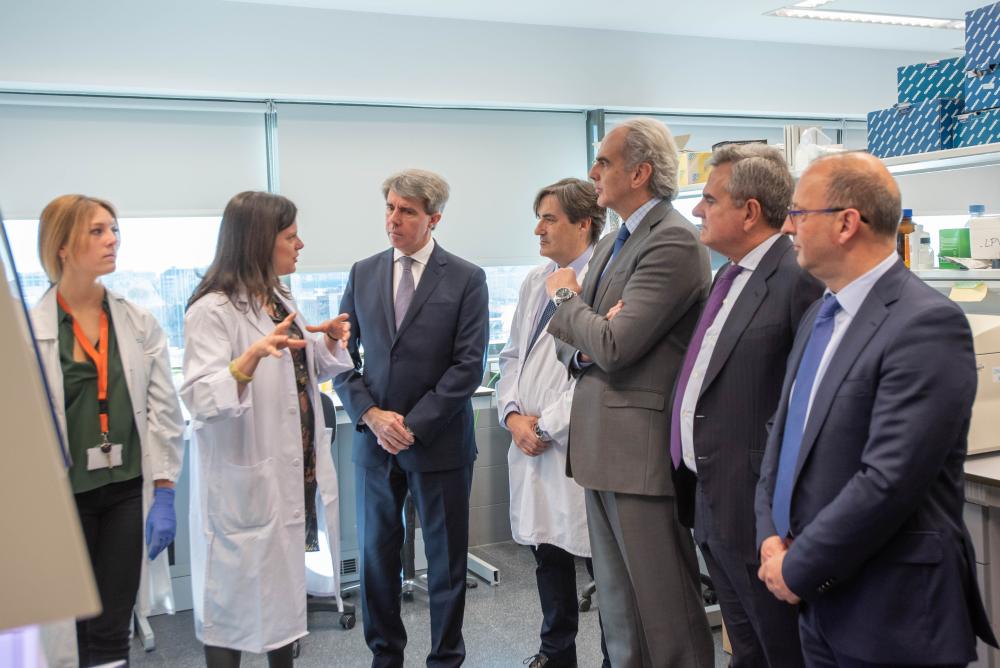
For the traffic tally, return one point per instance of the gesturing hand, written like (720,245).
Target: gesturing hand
(278,340)
(337,330)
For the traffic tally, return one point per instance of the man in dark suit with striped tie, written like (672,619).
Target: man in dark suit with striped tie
(859,504)
(728,388)
(421,316)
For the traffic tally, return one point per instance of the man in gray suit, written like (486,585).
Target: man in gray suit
(728,388)
(644,560)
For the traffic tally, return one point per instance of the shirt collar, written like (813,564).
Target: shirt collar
(640,213)
(753,258)
(422,256)
(852,295)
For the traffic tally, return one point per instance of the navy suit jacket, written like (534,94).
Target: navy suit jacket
(880,551)
(428,370)
(740,392)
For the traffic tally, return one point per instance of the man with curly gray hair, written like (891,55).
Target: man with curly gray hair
(645,565)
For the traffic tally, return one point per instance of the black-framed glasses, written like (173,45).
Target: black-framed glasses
(798,215)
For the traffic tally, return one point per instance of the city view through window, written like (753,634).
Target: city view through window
(161,260)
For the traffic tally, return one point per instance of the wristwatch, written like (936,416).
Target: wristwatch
(541,435)
(563,295)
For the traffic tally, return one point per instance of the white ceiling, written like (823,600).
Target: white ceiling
(728,19)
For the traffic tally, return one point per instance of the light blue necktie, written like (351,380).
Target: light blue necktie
(798,406)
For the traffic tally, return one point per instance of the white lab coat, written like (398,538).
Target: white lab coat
(248,571)
(145,358)
(546,506)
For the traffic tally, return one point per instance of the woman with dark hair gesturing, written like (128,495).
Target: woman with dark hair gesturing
(260,466)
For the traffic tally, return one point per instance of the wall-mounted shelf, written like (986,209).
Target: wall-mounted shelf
(933,161)
(958,274)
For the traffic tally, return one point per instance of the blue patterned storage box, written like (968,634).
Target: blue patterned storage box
(978,127)
(982,37)
(930,81)
(913,128)
(982,88)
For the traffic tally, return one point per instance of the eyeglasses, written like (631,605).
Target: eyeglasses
(798,215)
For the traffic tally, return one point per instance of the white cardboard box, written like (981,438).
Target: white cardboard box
(984,237)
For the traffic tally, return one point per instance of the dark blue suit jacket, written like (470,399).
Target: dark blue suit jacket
(429,369)
(880,551)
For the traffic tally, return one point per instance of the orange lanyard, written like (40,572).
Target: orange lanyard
(100,359)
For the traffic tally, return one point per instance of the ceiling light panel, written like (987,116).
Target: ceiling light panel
(811,4)
(866,17)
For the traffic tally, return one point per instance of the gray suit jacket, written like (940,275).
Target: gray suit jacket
(620,420)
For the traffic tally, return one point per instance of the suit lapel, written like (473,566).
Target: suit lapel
(743,311)
(869,318)
(432,275)
(631,247)
(597,263)
(385,290)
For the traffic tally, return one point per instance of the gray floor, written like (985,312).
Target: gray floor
(501,627)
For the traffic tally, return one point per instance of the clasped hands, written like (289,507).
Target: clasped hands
(772,556)
(389,429)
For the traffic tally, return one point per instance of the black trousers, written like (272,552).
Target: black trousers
(555,573)
(111,517)
(763,631)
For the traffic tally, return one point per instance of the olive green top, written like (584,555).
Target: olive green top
(83,430)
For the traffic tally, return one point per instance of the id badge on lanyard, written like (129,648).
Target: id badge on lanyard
(104,455)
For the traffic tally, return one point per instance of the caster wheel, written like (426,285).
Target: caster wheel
(709,597)
(471,584)
(347,594)
(584,604)
(347,621)
(296,649)
(407,596)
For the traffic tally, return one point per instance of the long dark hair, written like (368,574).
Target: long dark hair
(242,263)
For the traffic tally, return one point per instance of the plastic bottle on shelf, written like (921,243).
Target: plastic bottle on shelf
(975,211)
(925,256)
(902,236)
(916,239)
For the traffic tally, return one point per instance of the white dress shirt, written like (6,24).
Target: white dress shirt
(851,297)
(420,259)
(693,389)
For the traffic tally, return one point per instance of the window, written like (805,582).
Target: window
(160,263)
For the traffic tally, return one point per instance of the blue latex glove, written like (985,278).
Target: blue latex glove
(161,523)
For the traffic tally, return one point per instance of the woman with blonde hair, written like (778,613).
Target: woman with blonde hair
(108,369)
(262,475)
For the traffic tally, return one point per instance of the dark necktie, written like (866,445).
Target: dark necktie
(550,308)
(623,235)
(712,307)
(798,406)
(404,293)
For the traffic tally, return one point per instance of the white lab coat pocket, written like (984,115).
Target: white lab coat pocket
(243,497)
